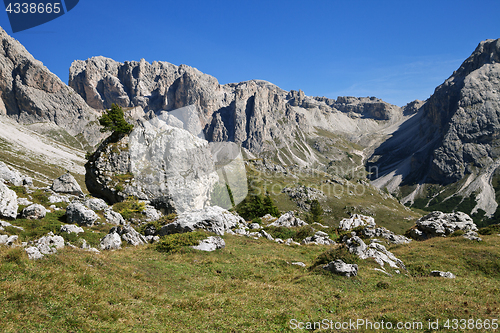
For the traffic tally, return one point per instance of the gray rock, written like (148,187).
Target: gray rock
(299,263)
(50,243)
(96,204)
(10,175)
(4,224)
(212,218)
(356,220)
(111,241)
(32,94)
(129,234)
(302,195)
(8,201)
(443,224)
(211,243)
(152,239)
(386,234)
(267,235)
(67,184)
(34,212)
(8,240)
(151,213)
(253,226)
(23,202)
(472,235)
(288,220)
(33,253)
(113,217)
(71,228)
(341,268)
(77,213)
(55,198)
(376,251)
(447,275)
(319,238)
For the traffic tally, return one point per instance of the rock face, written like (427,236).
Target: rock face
(8,202)
(35,211)
(213,219)
(66,184)
(210,244)
(77,213)
(32,94)
(166,165)
(442,224)
(341,268)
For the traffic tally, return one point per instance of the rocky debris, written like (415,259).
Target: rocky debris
(8,200)
(288,220)
(23,202)
(376,251)
(299,263)
(447,275)
(113,217)
(48,244)
(34,212)
(266,235)
(288,241)
(55,198)
(71,228)
(213,219)
(211,243)
(388,235)
(157,162)
(302,195)
(341,268)
(32,94)
(151,213)
(111,241)
(268,219)
(33,253)
(472,235)
(319,238)
(441,224)
(67,184)
(356,220)
(254,226)
(4,224)
(11,175)
(96,204)
(8,240)
(77,213)
(87,247)
(321,225)
(152,239)
(129,235)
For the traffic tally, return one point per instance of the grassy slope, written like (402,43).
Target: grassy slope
(246,287)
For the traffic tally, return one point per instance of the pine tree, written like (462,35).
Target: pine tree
(316,211)
(114,120)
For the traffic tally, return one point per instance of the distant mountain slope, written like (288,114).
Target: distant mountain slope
(453,139)
(30,93)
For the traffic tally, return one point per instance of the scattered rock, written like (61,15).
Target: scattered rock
(67,184)
(211,243)
(50,244)
(77,213)
(129,235)
(376,251)
(288,220)
(8,202)
(111,241)
(10,175)
(267,235)
(472,235)
(319,238)
(299,263)
(253,226)
(355,221)
(96,204)
(71,228)
(8,240)
(33,253)
(113,217)
(341,268)
(23,202)
(289,241)
(391,237)
(4,224)
(447,275)
(442,224)
(34,212)
(151,213)
(55,198)
(213,219)
(303,195)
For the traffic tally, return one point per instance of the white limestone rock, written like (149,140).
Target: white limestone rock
(111,241)
(8,202)
(211,243)
(67,184)
(437,224)
(288,220)
(71,228)
(341,268)
(34,212)
(77,213)
(356,220)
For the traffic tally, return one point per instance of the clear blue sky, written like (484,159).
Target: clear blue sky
(396,50)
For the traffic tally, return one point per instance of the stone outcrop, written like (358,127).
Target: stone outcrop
(376,251)
(8,240)
(341,268)
(212,218)
(32,94)
(303,195)
(113,217)
(210,244)
(46,245)
(77,213)
(34,211)
(319,238)
(357,220)
(288,220)
(157,162)
(96,204)
(447,275)
(11,175)
(111,241)
(8,202)
(442,224)
(71,228)
(66,184)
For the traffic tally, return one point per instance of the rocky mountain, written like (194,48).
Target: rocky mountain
(453,139)
(30,94)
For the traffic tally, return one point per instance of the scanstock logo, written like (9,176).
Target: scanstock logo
(28,14)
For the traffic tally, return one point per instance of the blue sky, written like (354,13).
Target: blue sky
(395,50)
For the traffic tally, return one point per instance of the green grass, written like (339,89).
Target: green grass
(249,286)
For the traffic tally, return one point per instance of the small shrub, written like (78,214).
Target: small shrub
(257,220)
(457,233)
(174,242)
(281,232)
(383,285)
(129,208)
(490,230)
(15,255)
(341,252)
(164,220)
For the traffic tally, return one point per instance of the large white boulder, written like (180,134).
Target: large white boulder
(8,202)
(442,224)
(77,213)
(357,220)
(288,220)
